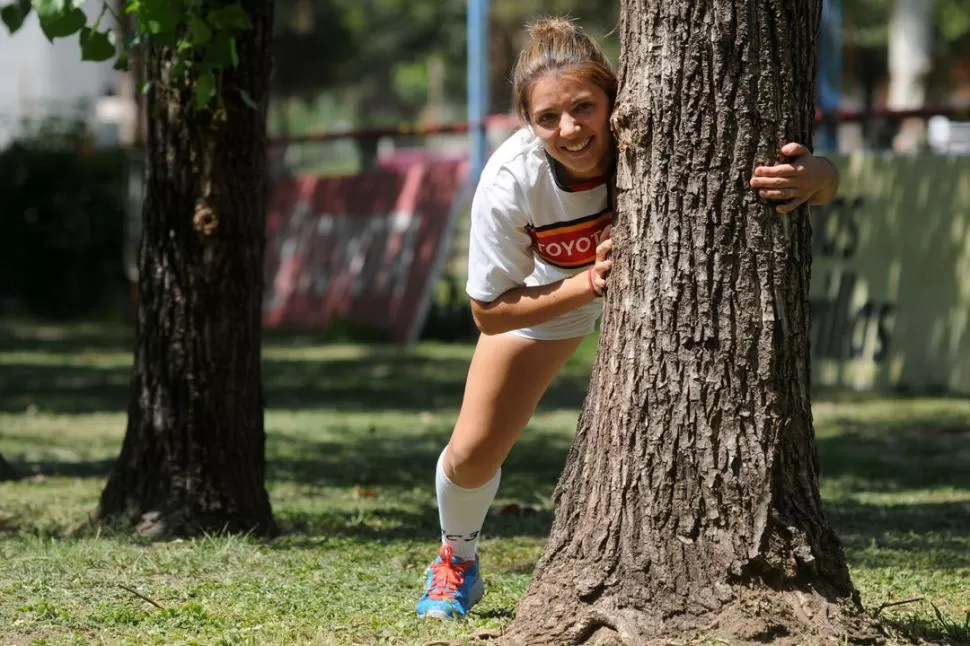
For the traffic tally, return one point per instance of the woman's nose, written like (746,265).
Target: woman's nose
(567,125)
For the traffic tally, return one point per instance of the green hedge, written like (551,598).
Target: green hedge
(63,225)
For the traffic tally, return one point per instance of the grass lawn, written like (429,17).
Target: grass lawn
(353,435)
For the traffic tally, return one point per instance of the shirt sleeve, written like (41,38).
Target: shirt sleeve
(499,247)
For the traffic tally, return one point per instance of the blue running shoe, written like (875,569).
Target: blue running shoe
(453,587)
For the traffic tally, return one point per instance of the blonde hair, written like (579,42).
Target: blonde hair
(560,46)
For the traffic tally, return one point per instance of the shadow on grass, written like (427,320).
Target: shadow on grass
(64,390)
(419,524)
(80,469)
(383,378)
(389,378)
(61,337)
(927,453)
(894,461)
(935,535)
(407,463)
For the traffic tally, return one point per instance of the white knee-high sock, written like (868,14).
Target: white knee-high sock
(462,511)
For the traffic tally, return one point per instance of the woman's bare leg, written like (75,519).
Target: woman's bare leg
(507,377)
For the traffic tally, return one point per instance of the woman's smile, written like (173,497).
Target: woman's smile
(578,147)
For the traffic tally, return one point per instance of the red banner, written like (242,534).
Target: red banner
(364,248)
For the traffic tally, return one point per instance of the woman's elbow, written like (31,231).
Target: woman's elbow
(487,320)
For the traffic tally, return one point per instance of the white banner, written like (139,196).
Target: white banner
(891,276)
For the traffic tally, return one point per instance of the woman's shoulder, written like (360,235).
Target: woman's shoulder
(517,161)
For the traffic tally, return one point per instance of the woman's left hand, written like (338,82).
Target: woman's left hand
(806,179)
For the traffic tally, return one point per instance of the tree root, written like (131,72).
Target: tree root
(755,616)
(178,522)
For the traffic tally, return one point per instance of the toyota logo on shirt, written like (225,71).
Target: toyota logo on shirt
(572,244)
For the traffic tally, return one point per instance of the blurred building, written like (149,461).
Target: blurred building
(42,80)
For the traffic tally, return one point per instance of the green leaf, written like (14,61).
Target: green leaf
(201,34)
(158,16)
(247,99)
(53,9)
(165,39)
(61,25)
(50,7)
(219,53)
(96,45)
(122,64)
(146,87)
(205,89)
(230,18)
(14,14)
(233,54)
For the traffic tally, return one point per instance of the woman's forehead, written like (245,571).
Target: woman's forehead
(553,88)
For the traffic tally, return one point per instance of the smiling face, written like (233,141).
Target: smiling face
(571,118)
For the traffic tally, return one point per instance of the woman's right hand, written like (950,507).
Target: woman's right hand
(600,271)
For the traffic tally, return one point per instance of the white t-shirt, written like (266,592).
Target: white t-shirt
(528,229)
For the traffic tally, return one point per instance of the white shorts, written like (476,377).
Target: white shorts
(579,322)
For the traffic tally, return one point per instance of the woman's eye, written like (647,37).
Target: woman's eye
(547,119)
(584,107)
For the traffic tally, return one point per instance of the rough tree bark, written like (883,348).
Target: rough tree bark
(193,457)
(689,504)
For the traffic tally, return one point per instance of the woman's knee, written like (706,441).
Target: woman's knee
(470,466)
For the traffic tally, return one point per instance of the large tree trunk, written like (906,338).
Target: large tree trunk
(193,457)
(689,503)
(6,471)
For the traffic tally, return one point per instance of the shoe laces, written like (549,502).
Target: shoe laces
(447,576)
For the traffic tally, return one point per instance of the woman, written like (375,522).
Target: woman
(538,265)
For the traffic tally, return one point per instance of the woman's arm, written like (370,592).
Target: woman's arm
(807,179)
(527,306)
